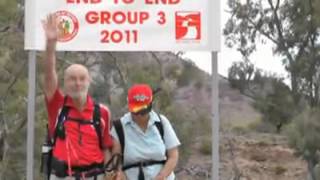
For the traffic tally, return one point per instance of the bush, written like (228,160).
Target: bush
(304,133)
(261,126)
(257,156)
(178,117)
(206,146)
(277,106)
(278,170)
(240,130)
(304,136)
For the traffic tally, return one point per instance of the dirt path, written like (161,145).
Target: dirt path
(257,157)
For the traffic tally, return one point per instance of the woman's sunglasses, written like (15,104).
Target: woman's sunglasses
(143,111)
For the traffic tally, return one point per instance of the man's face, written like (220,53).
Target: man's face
(77,81)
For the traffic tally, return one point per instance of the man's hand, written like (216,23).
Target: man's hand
(50,26)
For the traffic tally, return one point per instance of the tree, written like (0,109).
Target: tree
(291,26)
(240,74)
(272,98)
(304,137)
(276,104)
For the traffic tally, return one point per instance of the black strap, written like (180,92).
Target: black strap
(87,168)
(141,173)
(81,121)
(143,164)
(119,130)
(96,123)
(60,169)
(159,125)
(62,116)
(93,174)
(140,165)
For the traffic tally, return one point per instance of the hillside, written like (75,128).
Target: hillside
(244,153)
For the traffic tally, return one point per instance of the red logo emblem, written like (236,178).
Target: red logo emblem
(188,25)
(68,26)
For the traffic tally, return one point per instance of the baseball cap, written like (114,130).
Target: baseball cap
(139,97)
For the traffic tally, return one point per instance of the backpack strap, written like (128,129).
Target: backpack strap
(119,130)
(96,123)
(61,118)
(159,126)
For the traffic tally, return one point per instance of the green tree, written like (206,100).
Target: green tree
(276,104)
(304,136)
(241,74)
(291,26)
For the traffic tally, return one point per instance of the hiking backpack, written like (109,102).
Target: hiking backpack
(60,131)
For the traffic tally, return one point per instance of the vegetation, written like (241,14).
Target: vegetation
(292,26)
(304,136)
(206,146)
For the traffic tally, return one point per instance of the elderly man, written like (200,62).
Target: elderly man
(78,127)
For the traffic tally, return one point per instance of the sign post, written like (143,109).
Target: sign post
(31,112)
(215,124)
(127,25)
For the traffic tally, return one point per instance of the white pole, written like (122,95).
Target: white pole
(31,114)
(215,116)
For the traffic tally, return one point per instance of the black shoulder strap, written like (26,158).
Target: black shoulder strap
(96,123)
(119,130)
(160,127)
(62,116)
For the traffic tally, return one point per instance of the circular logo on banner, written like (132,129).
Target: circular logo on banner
(68,26)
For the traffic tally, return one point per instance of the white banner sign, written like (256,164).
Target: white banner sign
(126,25)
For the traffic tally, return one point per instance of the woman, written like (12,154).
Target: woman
(150,145)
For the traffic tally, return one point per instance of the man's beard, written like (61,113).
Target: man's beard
(80,95)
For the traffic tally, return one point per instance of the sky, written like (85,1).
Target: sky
(262,58)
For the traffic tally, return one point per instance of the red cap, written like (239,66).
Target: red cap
(139,97)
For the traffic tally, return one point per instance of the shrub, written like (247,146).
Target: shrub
(206,146)
(278,170)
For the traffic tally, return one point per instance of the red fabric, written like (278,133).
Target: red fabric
(139,97)
(88,151)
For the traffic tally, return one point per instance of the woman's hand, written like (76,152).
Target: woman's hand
(120,175)
(160,177)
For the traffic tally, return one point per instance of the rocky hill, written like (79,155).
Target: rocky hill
(244,153)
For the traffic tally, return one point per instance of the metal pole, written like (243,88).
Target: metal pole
(31,114)
(215,116)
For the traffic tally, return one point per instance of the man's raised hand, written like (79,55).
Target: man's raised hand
(50,26)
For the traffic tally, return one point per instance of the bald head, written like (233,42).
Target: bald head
(76,69)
